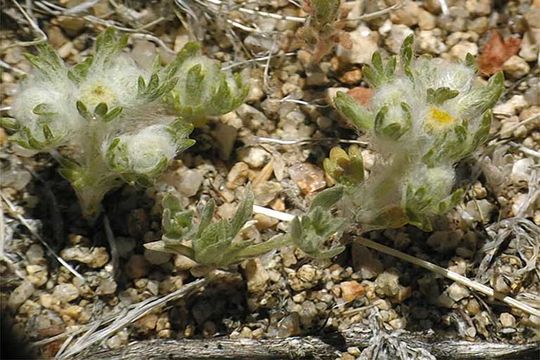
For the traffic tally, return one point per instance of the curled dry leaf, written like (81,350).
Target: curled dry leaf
(496,51)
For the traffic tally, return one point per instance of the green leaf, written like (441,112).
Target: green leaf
(191,49)
(440,95)
(47,62)
(9,123)
(390,68)
(470,61)
(376,62)
(353,111)
(194,85)
(79,72)
(327,198)
(206,216)
(43,109)
(406,55)
(113,114)
(141,86)
(177,223)
(108,44)
(83,110)
(482,134)
(47,133)
(101,109)
(481,99)
(243,213)
(211,247)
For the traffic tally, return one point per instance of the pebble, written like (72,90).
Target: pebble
(530,45)
(455,21)
(351,290)
(72,25)
(147,323)
(479,25)
(37,274)
(255,157)
(288,326)
(516,67)
(479,210)
(48,301)
(308,177)
(430,42)
(365,262)
(507,320)
(106,287)
(397,35)
(522,170)
(461,49)
(473,307)
(304,278)
(407,14)
(457,292)
(387,283)
(251,117)
(47,324)
(364,44)
(444,241)
(182,262)
(137,267)
(20,294)
(225,136)
(93,257)
(266,192)
(238,175)
(188,182)
(256,276)
(35,254)
(118,340)
(55,37)
(426,21)
(512,106)
(156,257)
(65,292)
(479,7)
(15,178)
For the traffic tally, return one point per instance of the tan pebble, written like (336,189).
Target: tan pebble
(308,177)
(351,290)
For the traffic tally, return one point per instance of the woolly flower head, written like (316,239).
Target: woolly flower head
(143,152)
(203,89)
(44,111)
(111,114)
(113,83)
(425,115)
(431,105)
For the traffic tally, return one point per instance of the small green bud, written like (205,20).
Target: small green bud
(345,168)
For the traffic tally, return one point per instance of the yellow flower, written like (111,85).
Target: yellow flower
(438,119)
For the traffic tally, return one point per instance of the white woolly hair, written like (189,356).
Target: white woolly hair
(438,73)
(114,83)
(439,179)
(145,149)
(57,96)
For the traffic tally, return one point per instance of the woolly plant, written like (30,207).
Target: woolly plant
(114,121)
(218,244)
(425,116)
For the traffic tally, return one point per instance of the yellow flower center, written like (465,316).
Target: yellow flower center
(439,119)
(96,94)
